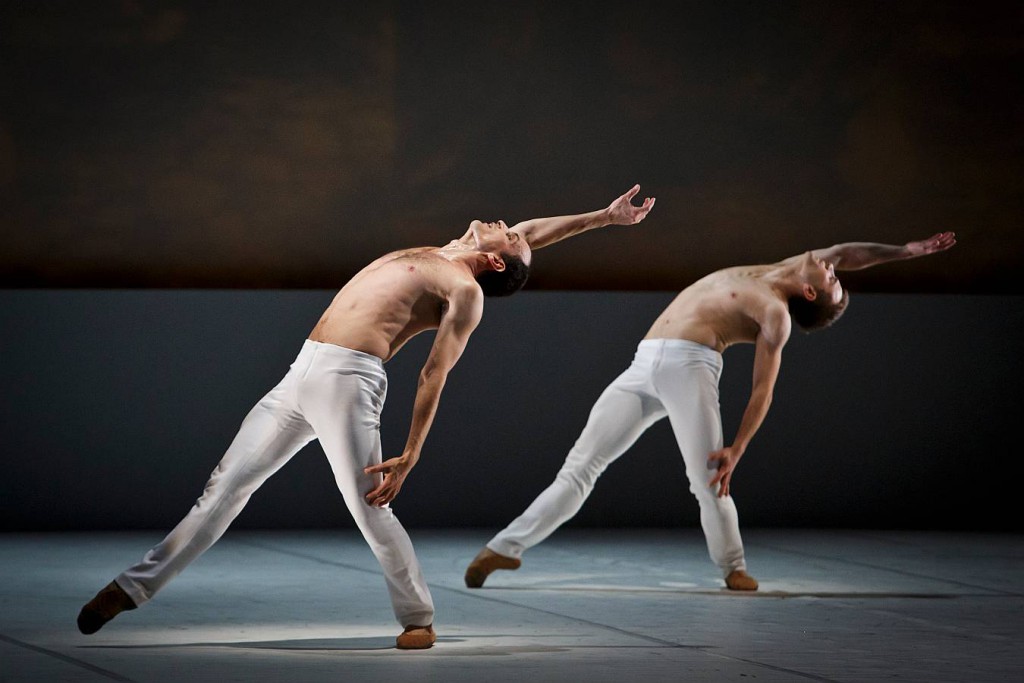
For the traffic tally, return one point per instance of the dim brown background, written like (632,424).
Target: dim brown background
(268,145)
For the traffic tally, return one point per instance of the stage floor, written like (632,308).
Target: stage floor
(593,606)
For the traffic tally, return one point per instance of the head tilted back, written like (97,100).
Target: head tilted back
(817,313)
(505,282)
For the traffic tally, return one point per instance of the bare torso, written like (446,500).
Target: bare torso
(390,301)
(724,308)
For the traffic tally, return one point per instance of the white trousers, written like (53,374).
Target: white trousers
(670,377)
(330,393)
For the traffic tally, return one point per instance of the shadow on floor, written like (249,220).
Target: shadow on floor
(735,594)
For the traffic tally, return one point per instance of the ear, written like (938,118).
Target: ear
(495,262)
(809,292)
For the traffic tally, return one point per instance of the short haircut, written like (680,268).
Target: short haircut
(505,282)
(817,313)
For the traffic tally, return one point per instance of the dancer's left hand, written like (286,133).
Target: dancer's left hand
(623,212)
(725,461)
(933,245)
(395,471)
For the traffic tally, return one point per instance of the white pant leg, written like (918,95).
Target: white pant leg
(342,397)
(269,436)
(687,382)
(623,412)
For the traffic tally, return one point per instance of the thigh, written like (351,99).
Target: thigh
(267,438)
(690,398)
(344,411)
(622,413)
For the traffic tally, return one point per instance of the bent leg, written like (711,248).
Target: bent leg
(268,438)
(623,412)
(344,409)
(690,396)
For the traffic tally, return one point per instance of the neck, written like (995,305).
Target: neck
(464,256)
(786,280)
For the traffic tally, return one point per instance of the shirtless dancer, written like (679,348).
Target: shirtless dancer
(675,373)
(335,390)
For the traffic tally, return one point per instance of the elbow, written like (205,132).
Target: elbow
(433,375)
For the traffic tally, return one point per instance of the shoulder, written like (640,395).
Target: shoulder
(465,299)
(467,292)
(775,323)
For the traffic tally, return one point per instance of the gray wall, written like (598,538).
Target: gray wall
(118,404)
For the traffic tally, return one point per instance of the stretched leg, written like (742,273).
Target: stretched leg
(344,409)
(622,413)
(268,437)
(690,395)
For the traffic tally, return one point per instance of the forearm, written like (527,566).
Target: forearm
(428,396)
(541,232)
(753,417)
(859,255)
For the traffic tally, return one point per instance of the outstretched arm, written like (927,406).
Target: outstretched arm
(541,232)
(465,308)
(858,255)
(772,337)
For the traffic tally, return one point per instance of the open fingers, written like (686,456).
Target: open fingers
(376,494)
(631,192)
(640,212)
(941,241)
(382,495)
(723,478)
(719,476)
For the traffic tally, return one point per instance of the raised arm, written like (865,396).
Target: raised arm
(771,339)
(858,255)
(541,232)
(465,307)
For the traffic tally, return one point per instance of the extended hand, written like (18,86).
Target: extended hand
(395,470)
(724,461)
(622,211)
(933,245)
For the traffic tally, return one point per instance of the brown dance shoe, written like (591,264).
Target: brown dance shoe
(486,562)
(416,638)
(739,580)
(107,604)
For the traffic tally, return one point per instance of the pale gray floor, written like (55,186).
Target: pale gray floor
(601,606)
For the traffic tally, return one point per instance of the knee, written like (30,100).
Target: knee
(580,476)
(702,490)
(370,517)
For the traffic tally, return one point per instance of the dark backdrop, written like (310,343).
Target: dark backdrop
(170,143)
(118,404)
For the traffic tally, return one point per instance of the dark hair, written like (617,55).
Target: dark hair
(817,313)
(506,282)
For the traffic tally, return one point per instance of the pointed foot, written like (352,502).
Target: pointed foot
(107,604)
(486,562)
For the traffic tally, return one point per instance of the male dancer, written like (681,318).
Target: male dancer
(335,390)
(675,373)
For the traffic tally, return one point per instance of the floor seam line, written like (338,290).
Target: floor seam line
(996,592)
(66,658)
(466,592)
(667,644)
(773,667)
